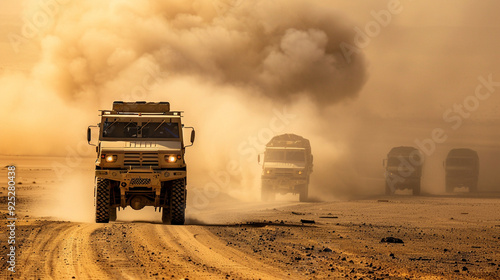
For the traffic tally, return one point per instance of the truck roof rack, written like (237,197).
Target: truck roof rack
(141,107)
(289,140)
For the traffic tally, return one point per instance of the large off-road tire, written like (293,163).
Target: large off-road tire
(112,214)
(449,186)
(416,188)
(178,202)
(166,217)
(388,189)
(267,195)
(473,187)
(102,201)
(303,194)
(266,192)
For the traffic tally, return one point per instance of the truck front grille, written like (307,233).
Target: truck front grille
(283,172)
(140,181)
(141,159)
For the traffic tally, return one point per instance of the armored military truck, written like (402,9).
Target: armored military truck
(403,169)
(462,169)
(140,160)
(286,167)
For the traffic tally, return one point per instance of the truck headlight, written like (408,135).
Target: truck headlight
(172,158)
(109,158)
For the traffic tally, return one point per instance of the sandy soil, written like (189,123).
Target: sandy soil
(445,237)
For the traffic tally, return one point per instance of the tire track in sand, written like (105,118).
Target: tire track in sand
(60,251)
(202,246)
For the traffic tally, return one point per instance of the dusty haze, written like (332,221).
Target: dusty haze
(232,65)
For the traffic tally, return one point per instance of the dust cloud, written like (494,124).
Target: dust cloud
(245,64)
(245,70)
(70,199)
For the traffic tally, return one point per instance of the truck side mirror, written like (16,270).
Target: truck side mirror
(193,133)
(384,162)
(89,135)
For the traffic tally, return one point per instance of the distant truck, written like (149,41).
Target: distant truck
(403,170)
(140,161)
(287,166)
(462,169)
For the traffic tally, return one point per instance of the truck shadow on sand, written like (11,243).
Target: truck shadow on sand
(195,222)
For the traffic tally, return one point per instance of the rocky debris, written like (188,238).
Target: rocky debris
(391,239)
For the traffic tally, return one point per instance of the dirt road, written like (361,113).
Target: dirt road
(271,243)
(444,237)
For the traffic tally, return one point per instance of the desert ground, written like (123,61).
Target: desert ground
(444,237)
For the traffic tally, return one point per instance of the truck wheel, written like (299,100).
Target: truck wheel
(449,187)
(388,190)
(112,214)
(473,187)
(267,195)
(178,202)
(303,195)
(102,201)
(165,215)
(416,188)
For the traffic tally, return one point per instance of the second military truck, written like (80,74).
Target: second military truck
(140,161)
(462,169)
(286,167)
(403,169)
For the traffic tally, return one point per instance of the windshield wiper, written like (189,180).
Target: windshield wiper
(110,126)
(159,125)
(128,124)
(140,128)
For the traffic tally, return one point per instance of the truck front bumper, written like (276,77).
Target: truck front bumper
(137,180)
(283,185)
(122,175)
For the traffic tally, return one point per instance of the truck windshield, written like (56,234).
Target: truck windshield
(119,130)
(284,156)
(393,161)
(114,129)
(402,161)
(160,130)
(295,156)
(460,162)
